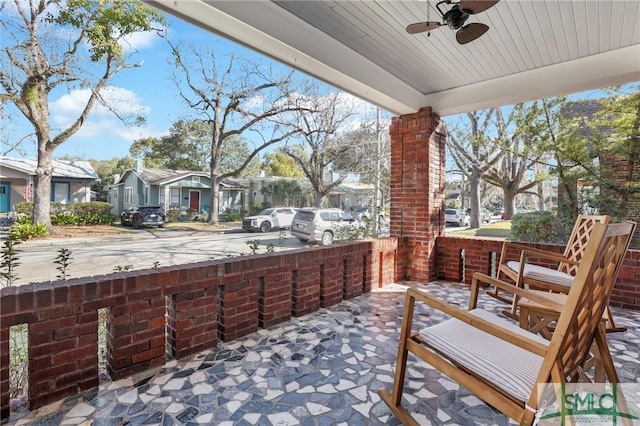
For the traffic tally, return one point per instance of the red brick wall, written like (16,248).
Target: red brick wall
(417,189)
(452,266)
(175,311)
(616,169)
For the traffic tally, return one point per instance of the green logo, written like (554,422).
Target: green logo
(580,403)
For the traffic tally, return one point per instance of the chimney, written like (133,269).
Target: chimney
(116,177)
(139,165)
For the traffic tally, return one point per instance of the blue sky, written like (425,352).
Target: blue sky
(147,89)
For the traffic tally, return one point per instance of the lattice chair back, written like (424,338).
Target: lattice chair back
(578,240)
(589,295)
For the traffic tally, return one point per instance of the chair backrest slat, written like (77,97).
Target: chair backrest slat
(578,240)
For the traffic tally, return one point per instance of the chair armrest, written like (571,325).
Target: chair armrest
(548,255)
(474,321)
(510,288)
(515,246)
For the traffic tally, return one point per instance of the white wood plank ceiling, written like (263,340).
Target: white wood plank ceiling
(534,48)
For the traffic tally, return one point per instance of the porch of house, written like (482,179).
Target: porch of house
(324,368)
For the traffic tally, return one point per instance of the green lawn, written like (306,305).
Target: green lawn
(501,229)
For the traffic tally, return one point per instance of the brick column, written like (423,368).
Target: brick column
(417,189)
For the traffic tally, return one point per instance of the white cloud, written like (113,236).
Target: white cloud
(140,40)
(68,107)
(101,121)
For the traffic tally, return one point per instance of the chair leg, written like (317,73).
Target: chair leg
(605,357)
(394,398)
(611,325)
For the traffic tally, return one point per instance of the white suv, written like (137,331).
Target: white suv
(266,220)
(320,225)
(457,217)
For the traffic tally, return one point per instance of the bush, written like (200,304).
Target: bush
(26,231)
(232,217)
(80,214)
(24,208)
(538,227)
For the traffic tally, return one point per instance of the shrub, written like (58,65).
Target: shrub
(79,214)
(538,227)
(232,217)
(24,208)
(26,231)
(65,218)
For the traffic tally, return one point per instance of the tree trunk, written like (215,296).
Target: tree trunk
(540,197)
(509,205)
(42,205)
(215,200)
(474,189)
(319,198)
(538,169)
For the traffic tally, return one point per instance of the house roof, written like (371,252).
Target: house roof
(61,168)
(584,110)
(533,49)
(165,177)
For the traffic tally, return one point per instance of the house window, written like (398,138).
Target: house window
(128,195)
(175,196)
(161,196)
(61,192)
(114,193)
(195,179)
(146,195)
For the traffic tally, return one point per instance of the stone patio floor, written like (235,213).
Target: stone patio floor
(321,369)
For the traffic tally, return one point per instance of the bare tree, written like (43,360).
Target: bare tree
(322,127)
(234,96)
(369,155)
(521,152)
(37,58)
(475,153)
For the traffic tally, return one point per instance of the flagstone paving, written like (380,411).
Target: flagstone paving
(321,369)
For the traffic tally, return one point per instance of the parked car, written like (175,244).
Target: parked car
(320,225)
(139,216)
(485,215)
(456,217)
(268,219)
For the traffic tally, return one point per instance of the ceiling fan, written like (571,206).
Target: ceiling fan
(455,18)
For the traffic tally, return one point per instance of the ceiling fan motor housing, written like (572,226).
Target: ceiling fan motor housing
(455,18)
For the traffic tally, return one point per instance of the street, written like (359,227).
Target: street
(99,256)
(102,257)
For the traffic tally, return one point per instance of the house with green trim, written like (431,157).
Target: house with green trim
(185,190)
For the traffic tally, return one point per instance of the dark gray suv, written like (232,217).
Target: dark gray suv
(139,216)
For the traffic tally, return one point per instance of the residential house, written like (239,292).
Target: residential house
(173,189)
(347,195)
(70,183)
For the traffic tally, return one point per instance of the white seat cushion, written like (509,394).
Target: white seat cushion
(504,364)
(540,273)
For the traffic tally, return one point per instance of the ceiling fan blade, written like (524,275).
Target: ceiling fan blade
(421,27)
(472,7)
(471,32)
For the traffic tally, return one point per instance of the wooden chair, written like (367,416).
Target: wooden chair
(502,363)
(559,280)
